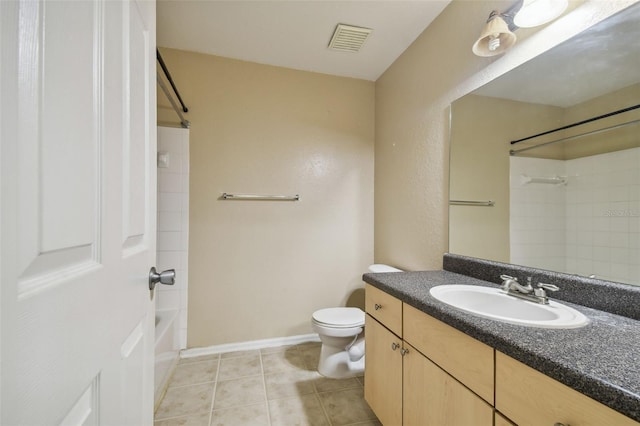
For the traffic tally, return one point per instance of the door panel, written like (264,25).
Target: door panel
(77,211)
(56,169)
(138,120)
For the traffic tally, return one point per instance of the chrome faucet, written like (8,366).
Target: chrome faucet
(538,295)
(510,285)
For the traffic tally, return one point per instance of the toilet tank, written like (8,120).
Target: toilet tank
(379,267)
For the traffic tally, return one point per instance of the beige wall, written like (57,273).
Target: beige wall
(481,129)
(412,138)
(258,269)
(616,138)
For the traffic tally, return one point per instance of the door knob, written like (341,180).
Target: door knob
(167,277)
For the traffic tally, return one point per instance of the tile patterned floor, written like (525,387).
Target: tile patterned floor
(270,387)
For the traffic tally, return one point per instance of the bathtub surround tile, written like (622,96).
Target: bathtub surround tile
(169,221)
(287,390)
(169,260)
(171,202)
(168,299)
(170,182)
(169,241)
(173,222)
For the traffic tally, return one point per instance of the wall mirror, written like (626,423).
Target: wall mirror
(566,200)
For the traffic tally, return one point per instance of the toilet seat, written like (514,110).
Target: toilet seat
(339,317)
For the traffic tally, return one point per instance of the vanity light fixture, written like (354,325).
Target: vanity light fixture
(495,38)
(539,12)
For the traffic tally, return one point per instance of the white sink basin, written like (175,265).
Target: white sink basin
(495,304)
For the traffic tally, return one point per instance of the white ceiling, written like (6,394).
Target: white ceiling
(295,33)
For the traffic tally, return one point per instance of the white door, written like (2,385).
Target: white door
(77,214)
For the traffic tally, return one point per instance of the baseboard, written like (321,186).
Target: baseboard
(250,345)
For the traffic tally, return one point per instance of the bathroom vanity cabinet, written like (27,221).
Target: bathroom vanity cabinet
(402,385)
(421,371)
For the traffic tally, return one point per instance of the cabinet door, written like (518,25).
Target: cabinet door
(465,358)
(529,397)
(383,373)
(432,397)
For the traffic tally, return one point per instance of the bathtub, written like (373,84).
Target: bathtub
(166,351)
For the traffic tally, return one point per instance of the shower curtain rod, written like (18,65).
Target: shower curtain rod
(183,121)
(168,75)
(589,120)
(593,132)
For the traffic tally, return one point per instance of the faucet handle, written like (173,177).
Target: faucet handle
(508,277)
(549,287)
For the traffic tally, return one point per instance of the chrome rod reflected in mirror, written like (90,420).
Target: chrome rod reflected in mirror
(581,212)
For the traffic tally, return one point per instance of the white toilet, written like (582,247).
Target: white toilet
(341,332)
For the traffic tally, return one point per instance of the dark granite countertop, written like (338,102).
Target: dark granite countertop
(600,360)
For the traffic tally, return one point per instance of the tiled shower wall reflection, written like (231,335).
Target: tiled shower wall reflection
(589,226)
(173,223)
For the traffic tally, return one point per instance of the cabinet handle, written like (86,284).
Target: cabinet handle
(561,424)
(377,307)
(394,346)
(404,351)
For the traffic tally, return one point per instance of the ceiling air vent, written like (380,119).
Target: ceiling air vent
(349,38)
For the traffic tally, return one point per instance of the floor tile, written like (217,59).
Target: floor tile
(194,373)
(281,362)
(367,423)
(239,392)
(196,420)
(311,356)
(202,358)
(346,406)
(186,400)
(277,349)
(303,411)
(239,353)
(324,384)
(290,383)
(234,368)
(249,415)
(276,386)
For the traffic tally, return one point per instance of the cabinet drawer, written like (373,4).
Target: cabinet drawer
(385,308)
(465,358)
(529,397)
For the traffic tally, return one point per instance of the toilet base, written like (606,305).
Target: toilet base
(335,363)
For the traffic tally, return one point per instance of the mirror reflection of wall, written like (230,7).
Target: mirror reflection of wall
(570,206)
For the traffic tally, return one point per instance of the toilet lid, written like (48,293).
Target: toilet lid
(340,317)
